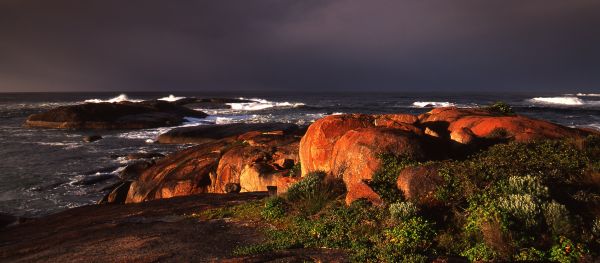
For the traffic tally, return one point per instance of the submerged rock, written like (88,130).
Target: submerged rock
(122,115)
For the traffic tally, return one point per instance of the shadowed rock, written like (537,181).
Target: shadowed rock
(209,133)
(123,115)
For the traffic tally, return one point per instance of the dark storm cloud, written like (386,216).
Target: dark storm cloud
(316,45)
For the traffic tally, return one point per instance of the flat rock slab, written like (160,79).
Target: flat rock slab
(209,133)
(152,231)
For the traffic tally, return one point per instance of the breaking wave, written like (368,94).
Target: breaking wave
(171,98)
(261,104)
(432,104)
(120,98)
(558,100)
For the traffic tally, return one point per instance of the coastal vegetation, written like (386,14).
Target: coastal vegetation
(521,201)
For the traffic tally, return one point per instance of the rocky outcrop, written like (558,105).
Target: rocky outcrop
(252,160)
(355,156)
(346,146)
(122,115)
(209,133)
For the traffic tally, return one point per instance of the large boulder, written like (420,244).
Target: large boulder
(419,183)
(122,115)
(251,160)
(355,157)
(209,133)
(317,144)
(464,125)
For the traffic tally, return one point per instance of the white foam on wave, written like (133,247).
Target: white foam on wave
(558,100)
(65,145)
(432,104)
(588,94)
(120,98)
(261,104)
(171,98)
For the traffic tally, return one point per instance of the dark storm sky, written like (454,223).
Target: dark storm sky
(312,45)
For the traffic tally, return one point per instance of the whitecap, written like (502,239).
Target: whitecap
(588,94)
(432,104)
(120,98)
(171,98)
(261,104)
(558,100)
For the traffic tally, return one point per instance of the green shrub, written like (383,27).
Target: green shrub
(557,218)
(296,169)
(314,192)
(567,251)
(480,252)
(274,208)
(528,184)
(403,210)
(309,185)
(530,255)
(525,207)
(502,108)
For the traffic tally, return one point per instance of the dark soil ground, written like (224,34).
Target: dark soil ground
(155,231)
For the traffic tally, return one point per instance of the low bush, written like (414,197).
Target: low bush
(502,108)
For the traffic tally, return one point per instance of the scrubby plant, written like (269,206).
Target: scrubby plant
(401,211)
(557,218)
(314,192)
(567,251)
(502,108)
(530,254)
(528,184)
(525,207)
(274,208)
(480,252)
(296,169)
(596,227)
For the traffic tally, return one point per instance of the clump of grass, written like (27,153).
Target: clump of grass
(314,192)
(401,211)
(274,208)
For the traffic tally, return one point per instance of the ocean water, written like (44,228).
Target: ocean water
(44,171)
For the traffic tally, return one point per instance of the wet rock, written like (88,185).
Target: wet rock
(92,138)
(7,220)
(150,155)
(122,115)
(209,133)
(93,179)
(133,170)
